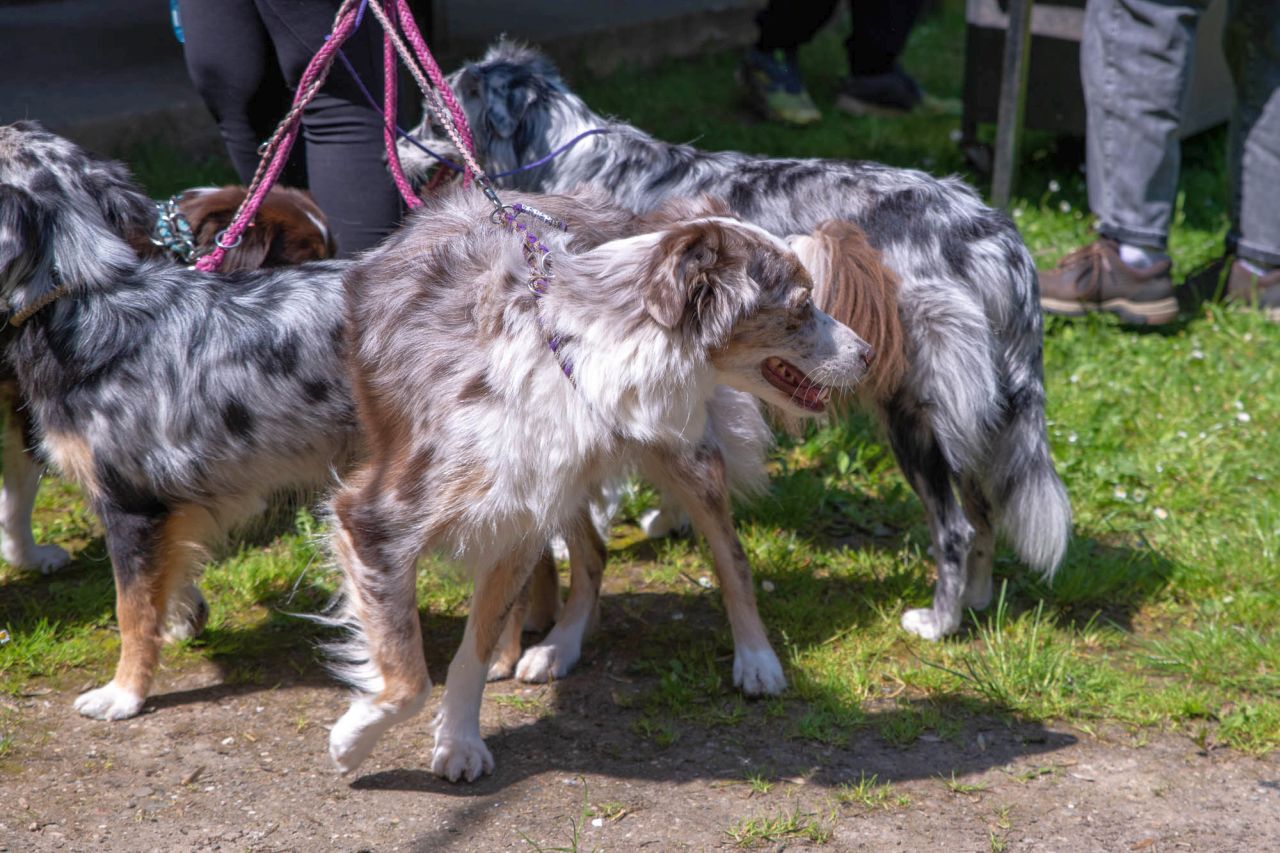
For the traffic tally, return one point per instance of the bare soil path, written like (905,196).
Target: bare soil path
(212,766)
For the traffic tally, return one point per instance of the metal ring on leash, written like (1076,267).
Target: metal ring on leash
(217,240)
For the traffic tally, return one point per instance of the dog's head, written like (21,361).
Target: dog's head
(515,102)
(65,215)
(288,229)
(742,296)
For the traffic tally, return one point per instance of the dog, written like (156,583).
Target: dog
(968,415)
(288,229)
(492,413)
(180,401)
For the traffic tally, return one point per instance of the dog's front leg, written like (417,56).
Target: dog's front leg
(152,555)
(18,496)
(697,479)
(560,650)
(460,752)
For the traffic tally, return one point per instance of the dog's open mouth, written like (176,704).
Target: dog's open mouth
(790,381)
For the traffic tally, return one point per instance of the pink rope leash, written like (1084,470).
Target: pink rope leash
(281,142)
(435,89)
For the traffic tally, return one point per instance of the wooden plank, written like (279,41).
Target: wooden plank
(1013,100)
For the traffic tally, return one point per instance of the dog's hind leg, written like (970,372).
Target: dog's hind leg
(697,479)
(977,585)
(459,751)
(18,493)
(532,611)
(927,471)
(384,659)
(559,651)
(152,554)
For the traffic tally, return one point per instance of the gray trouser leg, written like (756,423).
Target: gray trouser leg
(1251,43)
(1134,61)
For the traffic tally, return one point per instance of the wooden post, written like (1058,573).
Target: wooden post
(1013,100)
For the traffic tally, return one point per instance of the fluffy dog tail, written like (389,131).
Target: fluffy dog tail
(1034,511)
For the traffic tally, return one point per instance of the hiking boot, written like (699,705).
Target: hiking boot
(893,93)
(1093,278)
(775,89)
(1256,290)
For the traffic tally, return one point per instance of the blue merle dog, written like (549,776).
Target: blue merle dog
(966,421)
(180,401)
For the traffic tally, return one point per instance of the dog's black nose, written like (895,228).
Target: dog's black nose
(868,355)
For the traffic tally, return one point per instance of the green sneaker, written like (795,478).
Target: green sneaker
(774,87)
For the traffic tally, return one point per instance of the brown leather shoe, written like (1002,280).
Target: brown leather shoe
(1093,278)
(1261,291)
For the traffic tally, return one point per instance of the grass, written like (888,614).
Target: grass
(779,826)
(1164,615)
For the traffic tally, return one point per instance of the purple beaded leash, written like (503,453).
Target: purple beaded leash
(538,257)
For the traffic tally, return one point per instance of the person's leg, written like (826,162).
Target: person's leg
(228,56)
(1134,61)
(880,32)
(342,132)
(877,85)
(785,25)
(770,70)
(1251,42)
(1135,58)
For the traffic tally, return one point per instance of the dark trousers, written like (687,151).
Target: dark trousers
(245,58)
(880,29)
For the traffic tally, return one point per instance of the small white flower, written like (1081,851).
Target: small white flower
(1071,438)
(1182,433)
(1197,355)
(598,822)
(1160,513)
(1054,186)
(1075,377)
(704,582)
(1159,468)
(1017,213)
(1243,417)
(1064,206)
(767,586)
(1202,435)
(1120,494)
(1239,406)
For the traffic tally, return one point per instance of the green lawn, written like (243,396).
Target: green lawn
(1164,615)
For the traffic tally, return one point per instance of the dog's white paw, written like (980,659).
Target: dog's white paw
(109,702)
(352,738)
(758,672)
(657,523)
(924,623)
(457,758)
(45,559)
(546,661)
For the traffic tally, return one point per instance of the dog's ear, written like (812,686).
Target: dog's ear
(690,279)
(506,99)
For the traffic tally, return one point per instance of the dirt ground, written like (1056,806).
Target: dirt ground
(212,766)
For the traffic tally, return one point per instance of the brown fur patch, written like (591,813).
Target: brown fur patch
(74,458)
(852,284)
(496,595)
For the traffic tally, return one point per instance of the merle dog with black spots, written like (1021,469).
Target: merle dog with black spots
(180,401)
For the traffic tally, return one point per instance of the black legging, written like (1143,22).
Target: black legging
(880,29)
(240,53)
